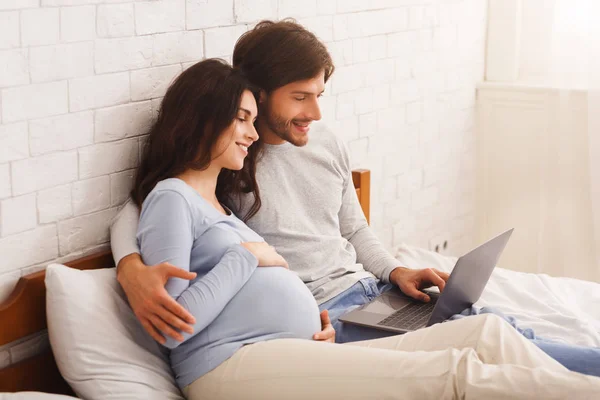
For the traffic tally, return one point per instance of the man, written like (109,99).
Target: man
(326,238)
(309,212)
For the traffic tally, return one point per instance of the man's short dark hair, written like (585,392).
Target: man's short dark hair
(274,54)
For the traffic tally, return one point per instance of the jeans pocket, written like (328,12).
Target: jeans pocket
(370,286)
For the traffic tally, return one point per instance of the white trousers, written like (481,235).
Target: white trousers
(479,357)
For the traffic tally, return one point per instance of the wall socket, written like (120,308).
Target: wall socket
(439,244)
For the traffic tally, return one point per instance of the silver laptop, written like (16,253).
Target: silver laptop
(396,312)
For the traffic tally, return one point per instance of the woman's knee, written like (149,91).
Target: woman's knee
(494,320)
(493,325)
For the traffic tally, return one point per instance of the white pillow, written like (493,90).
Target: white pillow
(100,347)
(34,396)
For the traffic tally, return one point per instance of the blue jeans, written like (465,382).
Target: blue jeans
(585,360)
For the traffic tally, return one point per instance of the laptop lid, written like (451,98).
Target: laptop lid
(468,279)
(464,287)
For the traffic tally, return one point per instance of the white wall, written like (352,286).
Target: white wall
(539,143)
(80,81)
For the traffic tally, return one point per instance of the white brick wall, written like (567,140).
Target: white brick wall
(115,20)
(218,41)
(18,214)
(159,16)
(9,29)
(34,101)
(151,83)
(120,122)
(81,81)
(51,63)
(249,10)
(36,173)
(5,189)
(40,26)
(99,91)
(61,133)
(14,67)
(207,13)
(77,23)
(91,195)
(54,204)
(13,142)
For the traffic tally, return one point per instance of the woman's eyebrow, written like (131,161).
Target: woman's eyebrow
(245,110)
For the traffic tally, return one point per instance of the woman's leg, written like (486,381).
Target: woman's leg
(382,368)
(585,360)
(494,341)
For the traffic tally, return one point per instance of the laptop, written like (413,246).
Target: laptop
(396,312)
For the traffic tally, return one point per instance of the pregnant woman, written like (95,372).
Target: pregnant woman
(254,318)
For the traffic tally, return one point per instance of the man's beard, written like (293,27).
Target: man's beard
(282,128)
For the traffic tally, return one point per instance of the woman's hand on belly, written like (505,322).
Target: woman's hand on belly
(327,333)
(266,255)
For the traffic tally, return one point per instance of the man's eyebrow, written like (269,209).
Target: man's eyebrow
(306,93)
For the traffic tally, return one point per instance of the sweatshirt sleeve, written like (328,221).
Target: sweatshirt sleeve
(123,232)
(354,228)
(166,234)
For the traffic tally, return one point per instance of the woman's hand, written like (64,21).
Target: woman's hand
(267,255)
(328,333)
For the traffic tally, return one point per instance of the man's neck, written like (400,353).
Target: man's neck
(266,134)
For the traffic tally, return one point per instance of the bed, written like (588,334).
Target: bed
(558,308)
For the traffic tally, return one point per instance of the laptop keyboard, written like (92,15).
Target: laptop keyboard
(413,316)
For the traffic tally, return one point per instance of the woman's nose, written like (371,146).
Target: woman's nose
(252,134)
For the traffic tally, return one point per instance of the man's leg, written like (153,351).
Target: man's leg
(585,360)
(478,358)
(362,292)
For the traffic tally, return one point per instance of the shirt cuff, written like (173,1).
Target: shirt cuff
(390,265)
(245,253)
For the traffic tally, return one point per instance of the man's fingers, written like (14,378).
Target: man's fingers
(435,279)
(164,328)
(174,321)
(172,271)
(444,275)
(325,318)
(152,331)
(178,310)
(413,292)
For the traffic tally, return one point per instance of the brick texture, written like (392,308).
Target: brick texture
(81,82)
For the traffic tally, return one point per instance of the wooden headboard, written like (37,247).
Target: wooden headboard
(23,314)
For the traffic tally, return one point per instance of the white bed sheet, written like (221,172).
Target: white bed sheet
(562,309)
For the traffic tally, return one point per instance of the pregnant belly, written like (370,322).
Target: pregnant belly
(274,301)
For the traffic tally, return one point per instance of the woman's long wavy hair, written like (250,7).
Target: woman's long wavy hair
(200,106)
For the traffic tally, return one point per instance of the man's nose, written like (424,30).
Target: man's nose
(315,111)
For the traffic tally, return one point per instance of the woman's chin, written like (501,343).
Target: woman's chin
(235,166)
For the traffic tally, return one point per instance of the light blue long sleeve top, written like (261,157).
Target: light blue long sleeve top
(234,301)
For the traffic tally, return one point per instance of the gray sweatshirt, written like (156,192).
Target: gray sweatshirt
(310,213)
(234,302)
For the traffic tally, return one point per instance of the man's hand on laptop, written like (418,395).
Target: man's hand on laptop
(328,333)
(412,281)
(153,306)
